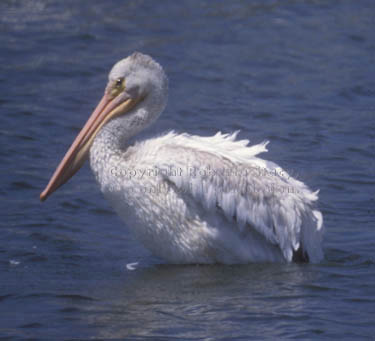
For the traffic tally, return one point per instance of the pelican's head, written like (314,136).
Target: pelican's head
(136,90)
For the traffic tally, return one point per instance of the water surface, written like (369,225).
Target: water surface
(297,73)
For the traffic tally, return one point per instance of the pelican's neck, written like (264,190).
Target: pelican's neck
(114,135)
(113,138)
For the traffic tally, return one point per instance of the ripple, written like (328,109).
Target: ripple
(38,259)
(6,297)
(101,211)
(69,310)
(21,185)
(75,297)
(31,325)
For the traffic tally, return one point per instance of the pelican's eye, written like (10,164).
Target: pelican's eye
(117,86)
(119,83)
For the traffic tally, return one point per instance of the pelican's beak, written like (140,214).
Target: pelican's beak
(108,107)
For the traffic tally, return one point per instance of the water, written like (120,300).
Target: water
(298,73)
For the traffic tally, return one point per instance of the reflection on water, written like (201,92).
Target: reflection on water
(188,299)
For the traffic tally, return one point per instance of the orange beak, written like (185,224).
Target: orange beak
(78,152)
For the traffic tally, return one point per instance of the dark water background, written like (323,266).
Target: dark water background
(298,73)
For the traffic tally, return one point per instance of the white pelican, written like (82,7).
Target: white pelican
(190,199)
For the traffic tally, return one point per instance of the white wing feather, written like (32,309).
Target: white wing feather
(226,175)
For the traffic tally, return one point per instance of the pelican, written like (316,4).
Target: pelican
(189,199)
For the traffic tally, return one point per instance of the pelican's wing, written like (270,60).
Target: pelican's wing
(223,174)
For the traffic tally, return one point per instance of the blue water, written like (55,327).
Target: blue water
(298,73)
